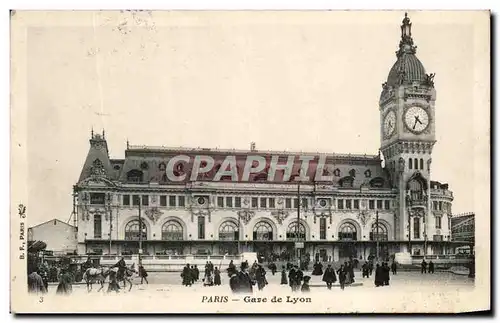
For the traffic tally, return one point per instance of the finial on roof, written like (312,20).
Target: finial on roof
(406,43)
(252,146)
(92,132)
(103,134)
(128,144)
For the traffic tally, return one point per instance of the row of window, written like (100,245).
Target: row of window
(413,163)
(236,201)
(441,206)
(228,231)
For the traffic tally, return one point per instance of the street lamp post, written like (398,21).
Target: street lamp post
(110,210)
(377,237)
(239,232)
(297,233)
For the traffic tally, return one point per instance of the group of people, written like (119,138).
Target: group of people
(382,275)
(191,274)
(38,284)
(243,281)
(424,268)
(296,279)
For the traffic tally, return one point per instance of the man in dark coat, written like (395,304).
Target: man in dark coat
(284,281)
(299,275)
(365,270)
(424,267)
(394,267)
(143,274)
(431,267)
(187,276)
(291,278)
(231,269)
(329,276)
(245,283)
(379,276)
(317,269)
(64,287)
(305,286)
(342,276)
(273,268)
(35,283)
(122,266)
(386,271)
(260,276)
(217,280)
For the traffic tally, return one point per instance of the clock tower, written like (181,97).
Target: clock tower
(407,137)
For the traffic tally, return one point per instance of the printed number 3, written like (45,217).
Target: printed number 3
(41,299)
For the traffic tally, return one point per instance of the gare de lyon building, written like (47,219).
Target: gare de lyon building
(183,201)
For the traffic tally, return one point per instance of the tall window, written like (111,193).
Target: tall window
(182,201)
(340,204)
(263,202)
(171,200)
(145,200)
(416,228)
(379,204)
(288,203)
(347,232)
(416,190)
(220,201)
(228,231)
(132,230)
(271,203)
(387,204)
(229,201)
(438,222)
(371,204)
(201,227)
(378,232)
(348,204)
(296,232)
(172,230)
(263,231)
(322,228)
(356,204)
(255,202)
(163,200)
(126,199)
(421,163)
(415,163)
(97,226)
(237,201)
(410,163)
(304,203)
(135,200)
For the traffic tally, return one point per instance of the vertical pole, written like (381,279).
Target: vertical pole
(409,231)
(298,221)
(239,232)
(376,221)
(140,230)
(110,210)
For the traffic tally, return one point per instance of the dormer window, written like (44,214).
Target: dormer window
(346,181)
(134,176)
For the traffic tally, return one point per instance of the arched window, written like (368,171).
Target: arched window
(97,226)
(378,232)
(135,176)
(293,232)
(348,232)
(132,230)
(421,163)
(410,163)
(415,163)
(263,231)
(172,230)
(416,228)
(416,189)
(228,231)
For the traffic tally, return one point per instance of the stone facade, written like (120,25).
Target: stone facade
(347,202)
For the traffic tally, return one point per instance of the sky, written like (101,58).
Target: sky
(286,81)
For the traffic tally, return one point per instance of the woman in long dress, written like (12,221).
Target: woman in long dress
(217,280)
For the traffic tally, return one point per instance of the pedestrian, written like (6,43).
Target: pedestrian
(431,267)
(186,276)
(35,283)
(379,276)
(217,280)
(423,269)
(143,274)
(284,281)
(329,276)
(260,276)
(386,271)
(113,281)
(64,287)
(291,278)
(299,275)
(317,269)
(394,267)
(365,269)
(342,276)
(244,282)
(305,286)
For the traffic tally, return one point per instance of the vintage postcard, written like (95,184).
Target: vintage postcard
(250,162)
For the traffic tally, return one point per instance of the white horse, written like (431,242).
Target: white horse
(98,275)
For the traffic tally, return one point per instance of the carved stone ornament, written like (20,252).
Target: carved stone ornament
(416,212)
(246,216)
(97,168)
(280,200)
(363,217)
(246,200)
(154,214)
(202,212)
(280,215)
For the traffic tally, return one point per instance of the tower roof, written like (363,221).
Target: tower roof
(408,68)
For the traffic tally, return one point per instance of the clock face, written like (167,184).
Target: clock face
(416,119)
(389,124)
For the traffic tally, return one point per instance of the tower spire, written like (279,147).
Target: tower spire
(406,44)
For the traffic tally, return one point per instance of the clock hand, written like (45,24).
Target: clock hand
(417,119)
(415,124)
